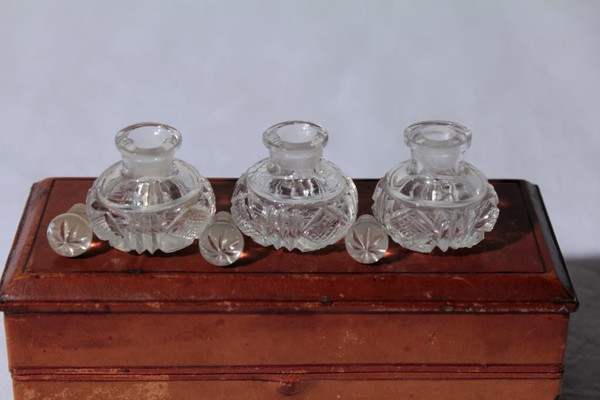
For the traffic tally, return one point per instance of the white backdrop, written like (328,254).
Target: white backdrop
(524,76)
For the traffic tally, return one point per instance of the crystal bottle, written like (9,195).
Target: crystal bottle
(436,198)
(69,234)
(295,198)
(367,241)
(150,200)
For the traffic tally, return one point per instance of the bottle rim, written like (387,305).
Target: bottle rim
(437,134)
(295,135)
(148,138)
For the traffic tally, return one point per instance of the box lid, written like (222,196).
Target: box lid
(517,268)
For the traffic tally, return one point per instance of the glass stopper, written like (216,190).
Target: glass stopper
(367,241)
(221,244)
(70,234)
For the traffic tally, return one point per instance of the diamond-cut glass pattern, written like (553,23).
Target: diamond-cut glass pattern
(436,199)
(295,199)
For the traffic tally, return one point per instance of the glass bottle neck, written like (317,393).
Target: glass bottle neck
(437,147)
(437,161)
(295,145)
(295,160)
(148,149)
(139,166)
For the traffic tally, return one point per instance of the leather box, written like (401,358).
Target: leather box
(488,322)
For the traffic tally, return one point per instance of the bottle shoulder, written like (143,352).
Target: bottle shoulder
(115,189)
(324,183)
(469,185)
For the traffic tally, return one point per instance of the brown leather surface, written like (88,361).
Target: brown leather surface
(319,389)
(286,340)
(488,322)
(517,267)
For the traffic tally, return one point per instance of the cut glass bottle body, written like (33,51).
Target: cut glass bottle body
(435,198)
(150,201)
(295,198)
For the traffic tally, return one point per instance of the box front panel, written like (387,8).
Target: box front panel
(384,389)
(179,340)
